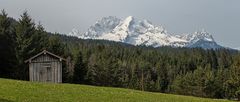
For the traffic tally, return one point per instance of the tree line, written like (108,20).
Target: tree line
(197,72)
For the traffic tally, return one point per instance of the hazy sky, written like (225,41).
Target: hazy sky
(221,18)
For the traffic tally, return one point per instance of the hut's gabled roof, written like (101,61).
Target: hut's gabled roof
(44,52)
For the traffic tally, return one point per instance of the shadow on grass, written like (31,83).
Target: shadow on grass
(5,100)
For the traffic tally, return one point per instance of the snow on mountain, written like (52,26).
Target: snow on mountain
(74,32)
(199,35)
(238,48)
(143,32)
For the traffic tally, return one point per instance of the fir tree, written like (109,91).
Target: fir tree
(7,45)
(25,48)
(79,70)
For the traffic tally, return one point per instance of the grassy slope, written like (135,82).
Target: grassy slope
(12,90)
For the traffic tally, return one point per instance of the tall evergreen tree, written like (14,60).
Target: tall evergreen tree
(40,38)
(7,44)
(25,29)
(79,70)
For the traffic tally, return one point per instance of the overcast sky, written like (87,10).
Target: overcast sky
(221,18)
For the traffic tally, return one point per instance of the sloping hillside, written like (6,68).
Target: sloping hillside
(12,90)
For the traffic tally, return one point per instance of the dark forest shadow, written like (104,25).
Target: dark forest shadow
(5,100)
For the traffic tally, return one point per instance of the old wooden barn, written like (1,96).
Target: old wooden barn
(45,67)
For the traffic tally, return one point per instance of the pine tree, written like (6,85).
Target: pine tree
(231,86)
(7,45)
(25,48)
(162,78)
(237,93)
(92,70)
(40,38)
(79,70)
(55,45)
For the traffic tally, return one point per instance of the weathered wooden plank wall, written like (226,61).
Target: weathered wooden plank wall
(45,68)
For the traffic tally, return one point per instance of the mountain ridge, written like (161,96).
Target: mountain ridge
(143,32)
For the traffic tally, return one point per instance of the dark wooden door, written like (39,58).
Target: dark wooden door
(45,72)
(42,74)
(49,74)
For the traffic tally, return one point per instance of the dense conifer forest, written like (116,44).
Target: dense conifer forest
(197,72)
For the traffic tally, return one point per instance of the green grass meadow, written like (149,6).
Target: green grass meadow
(22,91)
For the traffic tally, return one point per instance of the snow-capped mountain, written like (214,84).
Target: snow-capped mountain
(143,32)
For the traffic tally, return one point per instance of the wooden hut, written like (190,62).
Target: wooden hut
(45,67)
